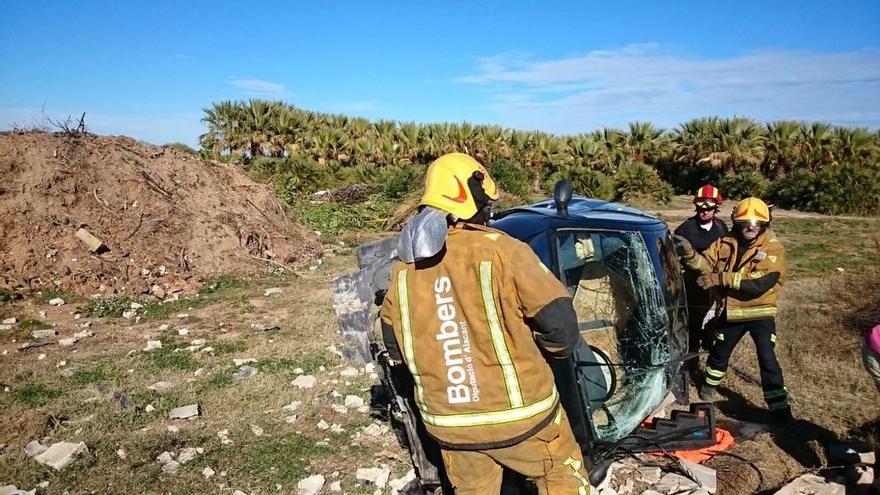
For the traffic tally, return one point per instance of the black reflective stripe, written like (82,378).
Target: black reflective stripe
(758,286)
(557,327)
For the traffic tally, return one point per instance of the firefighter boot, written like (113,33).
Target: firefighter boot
(707,393)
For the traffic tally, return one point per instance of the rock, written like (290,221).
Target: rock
(363,409)
(243,361)
(158,292)
(6,327)
(149,408)
(184,412)
(649,475)
(208,349)
(336,486)
(265,327)
(170,467)
(207,472)
(41,357)
(237,492)
(311,485)
(61,454)
(13,490)
(304,381)
(353,401)
(56,302)
(153,345)
(199,342)
(256,430)
(298,371)
(244,373)
(94,244)
(675,483)
(812,484)
(183,331)
(187,454)
(161,386)
(120,452)
(42,315)
(349,372)
(199,372)
(290,419)
(165,457)
(10,321)
(183,315)
(339,408)
(83,334)
(336,428)
(34,448)
(704,476)
(272,291)
(164,327)
(223,435)
(129,314)
(322,425)
(68,342)
(377,476)
(42,334)
(375,430)
(369,368)
(292,407)
(397,485)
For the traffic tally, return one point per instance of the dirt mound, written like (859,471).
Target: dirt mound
(167,219)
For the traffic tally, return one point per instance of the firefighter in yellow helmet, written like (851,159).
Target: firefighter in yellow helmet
(745,271)
(472,313)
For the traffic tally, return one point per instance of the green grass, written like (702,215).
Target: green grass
(47,294)
(102,372)
(818,246)
(166,359)
(219,379)
(34,394)
(7,297)
(282,460)
(30,325)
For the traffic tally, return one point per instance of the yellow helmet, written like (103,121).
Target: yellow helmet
(446,185)
(751,210)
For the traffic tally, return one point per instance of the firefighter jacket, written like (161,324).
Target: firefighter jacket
(461,320)
(752,275)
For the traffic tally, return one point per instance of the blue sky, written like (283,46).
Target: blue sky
(147,68)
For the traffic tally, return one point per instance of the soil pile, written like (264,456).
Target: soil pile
(166,220)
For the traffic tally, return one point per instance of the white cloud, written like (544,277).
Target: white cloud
(654,82)
(257,87)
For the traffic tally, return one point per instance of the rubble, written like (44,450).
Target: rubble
(83,334)
(272,291)
(34,448)
(61,454)
(42,334)
(377,476)
(153,345)
(704,476)
(349,372)
(10,321)
(265,327)
(304,381)
(161,386)
(94,244)
(14,490)
(244,373)
(68,341)
(311,485)
(56,302)
(208,472)
(185,412)
(353,401)
(292,407)
(675,483)
(812,484)
(256,430)
(223,435)
(398,484)
(243,361)
(187,454)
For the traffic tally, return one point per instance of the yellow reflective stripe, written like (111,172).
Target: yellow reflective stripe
(576,466)
(511,415)
(406,324)
(712,381)
(771,257)
(772,394)
(756,274)
(544,267)
(773,338)
(511,381)
(735,314)
(492,237)
(715,373)
(697,263)
(737,280)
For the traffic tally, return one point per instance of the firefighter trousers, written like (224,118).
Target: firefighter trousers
(763,333)
(551,457)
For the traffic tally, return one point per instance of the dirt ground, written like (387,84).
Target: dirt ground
(167,219)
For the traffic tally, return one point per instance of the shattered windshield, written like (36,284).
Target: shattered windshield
(624,349)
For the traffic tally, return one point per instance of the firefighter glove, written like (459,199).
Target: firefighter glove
(709,280)
(683,247)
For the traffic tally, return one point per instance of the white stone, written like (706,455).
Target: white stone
(336,428)
(67,342)
(349,372)
(172,429)
(243,361)
(184,412)
(304,381)
(42,315)
(703,475)
(207,472)
(61,454)
(336,486)
(353,401)
(56,302)
(271,291)
(338,408)
(369,368)
(10,321)
(183,331)
(187,454)
(149,408)
(6,327)
(397,485)
(323,425)
(129,314)
(199,372)
(164,327)
(363,409)
(34,448)
(298,371)
(311,485)
(377,476)
(292,407)
(375,430)
(42,334)
(223,435)
(13,490)
(812,484)
(161,386)
(256,430)
(183,315)
(208,349)
(290,419)
(83,334)
(121,453)
(673,482)
(41,357)
(152,345)
(170,467)
(165,457)
(136,305)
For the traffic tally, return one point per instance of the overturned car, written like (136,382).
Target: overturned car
(622,273)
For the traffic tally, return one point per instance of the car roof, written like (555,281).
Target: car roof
(527,221)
